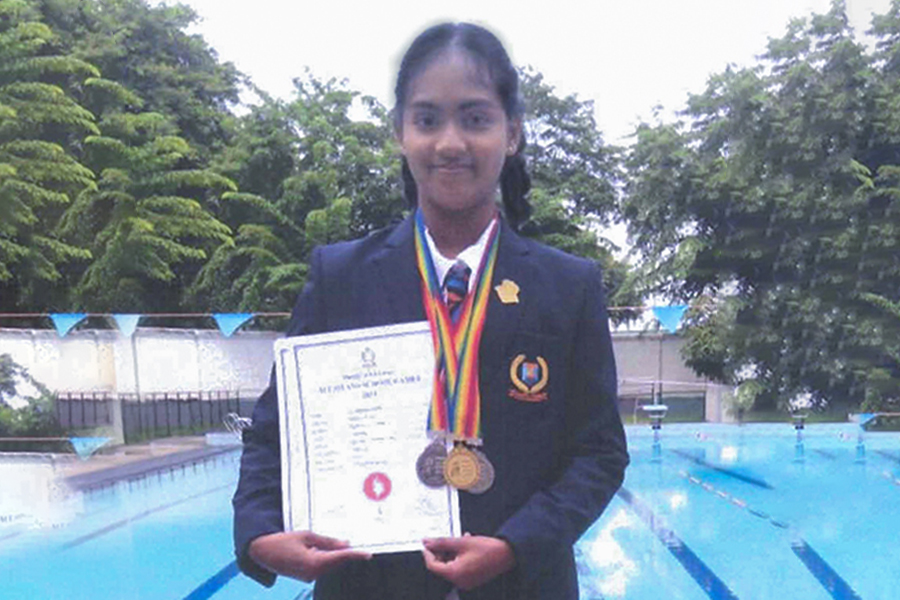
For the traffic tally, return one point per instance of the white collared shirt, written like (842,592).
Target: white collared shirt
(471,255)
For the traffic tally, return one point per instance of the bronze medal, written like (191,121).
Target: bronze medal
(486,478)
(430,465)
(462,469)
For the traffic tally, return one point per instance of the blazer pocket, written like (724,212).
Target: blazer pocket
(530,384)
(533,377)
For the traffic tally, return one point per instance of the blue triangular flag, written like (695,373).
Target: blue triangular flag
(669,316)
(864,418)
(64,322)
(229,322)
(127,324)
(85,446)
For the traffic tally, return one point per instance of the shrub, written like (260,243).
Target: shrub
(26,405)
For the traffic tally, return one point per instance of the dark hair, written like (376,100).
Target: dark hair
(486,49)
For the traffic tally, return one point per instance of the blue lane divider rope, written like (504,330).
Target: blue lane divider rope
(890,477)
(733,499)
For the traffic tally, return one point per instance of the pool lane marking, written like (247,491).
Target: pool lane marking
(205,590)
(833,583)
(714,587)
(740,476)
(821,570)
(113,526)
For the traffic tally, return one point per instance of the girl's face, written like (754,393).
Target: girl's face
(455,136)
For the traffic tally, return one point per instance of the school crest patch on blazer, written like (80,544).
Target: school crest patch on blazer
(529,379)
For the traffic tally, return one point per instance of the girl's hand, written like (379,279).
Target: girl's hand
(302,555)
(469,561)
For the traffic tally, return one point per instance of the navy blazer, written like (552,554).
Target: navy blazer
(558,461)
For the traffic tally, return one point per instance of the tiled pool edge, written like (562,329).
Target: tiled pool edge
(136,470)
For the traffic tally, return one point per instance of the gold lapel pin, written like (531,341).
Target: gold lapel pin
(508,292)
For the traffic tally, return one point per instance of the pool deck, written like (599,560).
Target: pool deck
(133,461)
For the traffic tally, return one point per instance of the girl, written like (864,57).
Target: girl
(550,442)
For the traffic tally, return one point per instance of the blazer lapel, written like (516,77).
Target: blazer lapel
(396,293)
(504,318)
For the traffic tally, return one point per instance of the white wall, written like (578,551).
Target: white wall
(154,360)
(178,360)
(643,359)
(84,361)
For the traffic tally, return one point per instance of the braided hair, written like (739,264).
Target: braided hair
(484,47)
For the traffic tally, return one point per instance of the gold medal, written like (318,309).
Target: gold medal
(462,469)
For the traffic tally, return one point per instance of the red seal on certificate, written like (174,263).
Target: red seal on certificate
(377,487)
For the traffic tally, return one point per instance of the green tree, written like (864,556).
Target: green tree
(39,174)
(143,222)
(32,412)
(772,208)
(310,174)
(143,232)
(148,50)
(574,178)
(257,271)
(340,159)
(567,156)
(333,177)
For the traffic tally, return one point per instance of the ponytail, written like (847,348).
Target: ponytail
(515,183)
(410,192)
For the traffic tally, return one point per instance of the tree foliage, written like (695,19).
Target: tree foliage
(89,171)
(310,174)
(574,178)
(39,175)
(128,184)
(148,50)
(773,207)
(26,405)
(142,222)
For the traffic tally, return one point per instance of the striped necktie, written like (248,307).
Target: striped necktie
(456,287)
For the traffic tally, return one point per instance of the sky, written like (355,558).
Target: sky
(628,56)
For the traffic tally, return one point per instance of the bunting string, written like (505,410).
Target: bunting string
(64,323)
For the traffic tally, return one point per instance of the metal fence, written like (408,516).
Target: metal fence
(166,414)
(84,410)
(152,415)
(686,401)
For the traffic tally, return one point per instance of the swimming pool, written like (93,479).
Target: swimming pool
(716,512)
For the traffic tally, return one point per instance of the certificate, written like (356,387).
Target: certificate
(353,409)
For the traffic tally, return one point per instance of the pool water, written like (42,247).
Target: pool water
(710,511)
(744,512)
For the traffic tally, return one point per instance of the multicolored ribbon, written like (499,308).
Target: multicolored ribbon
(455,400)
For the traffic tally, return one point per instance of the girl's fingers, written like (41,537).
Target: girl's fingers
(314,540)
